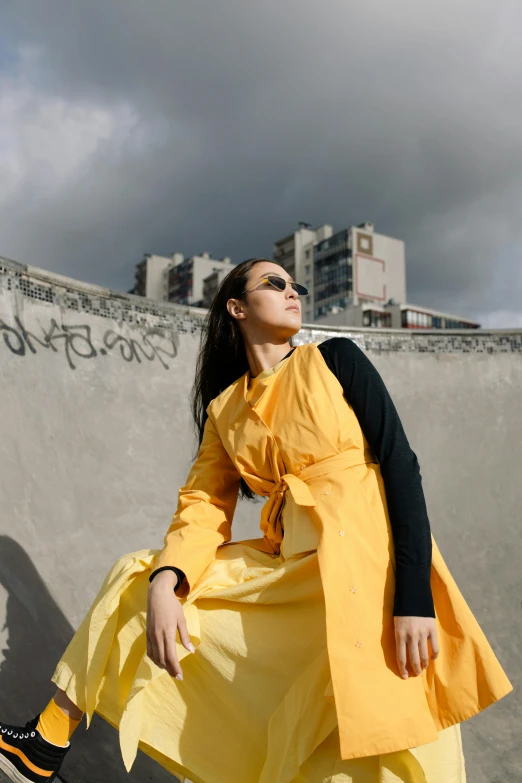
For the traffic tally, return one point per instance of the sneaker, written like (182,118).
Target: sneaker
(26,757)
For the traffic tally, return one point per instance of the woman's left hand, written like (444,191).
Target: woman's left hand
(412,635)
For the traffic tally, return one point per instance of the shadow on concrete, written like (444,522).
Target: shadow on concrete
(38,634)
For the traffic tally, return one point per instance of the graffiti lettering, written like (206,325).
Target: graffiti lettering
(153,343)
(130,349)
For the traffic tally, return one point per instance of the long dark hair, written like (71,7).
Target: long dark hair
(222,357)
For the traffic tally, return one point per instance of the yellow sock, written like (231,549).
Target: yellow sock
(55,726)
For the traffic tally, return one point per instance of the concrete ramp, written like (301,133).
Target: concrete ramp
(96,438)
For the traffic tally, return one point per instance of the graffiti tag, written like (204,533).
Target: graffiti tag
(154,343)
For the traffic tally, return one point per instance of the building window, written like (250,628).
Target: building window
(414,319)
(365,244)
(376,319)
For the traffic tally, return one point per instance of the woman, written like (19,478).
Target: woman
(306,653)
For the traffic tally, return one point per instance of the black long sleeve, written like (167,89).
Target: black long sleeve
(179,573)
(366,393)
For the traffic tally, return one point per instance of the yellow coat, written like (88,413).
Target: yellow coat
(299,443)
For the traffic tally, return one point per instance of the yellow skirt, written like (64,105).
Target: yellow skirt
(255,704)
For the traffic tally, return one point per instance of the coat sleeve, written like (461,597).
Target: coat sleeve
(366,392)
(203,518)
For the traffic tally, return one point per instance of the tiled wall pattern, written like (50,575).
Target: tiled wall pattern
(69,294)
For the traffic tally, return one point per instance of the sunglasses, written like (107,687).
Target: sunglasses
(280,284)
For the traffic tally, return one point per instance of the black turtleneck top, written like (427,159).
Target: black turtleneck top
(365,391)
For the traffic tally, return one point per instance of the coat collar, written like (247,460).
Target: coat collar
(254,388)
(237,394)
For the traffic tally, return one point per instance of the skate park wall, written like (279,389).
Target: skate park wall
(96,438)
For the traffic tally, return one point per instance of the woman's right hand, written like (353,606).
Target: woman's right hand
(164,617)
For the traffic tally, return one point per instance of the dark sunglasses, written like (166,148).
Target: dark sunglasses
(280,283)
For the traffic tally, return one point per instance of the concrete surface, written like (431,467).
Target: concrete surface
(93,450)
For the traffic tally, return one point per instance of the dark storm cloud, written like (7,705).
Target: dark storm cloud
(162,126)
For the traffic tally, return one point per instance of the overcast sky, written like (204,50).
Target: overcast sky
(157,126)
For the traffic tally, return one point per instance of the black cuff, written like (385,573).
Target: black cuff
(179,573)
(413,595)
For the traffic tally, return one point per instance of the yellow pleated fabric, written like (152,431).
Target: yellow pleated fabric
(255,704)
(294,678)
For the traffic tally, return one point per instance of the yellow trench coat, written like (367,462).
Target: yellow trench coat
(300,436)
(326,557)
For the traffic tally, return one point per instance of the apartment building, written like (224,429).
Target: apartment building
(181,280)
(356,277)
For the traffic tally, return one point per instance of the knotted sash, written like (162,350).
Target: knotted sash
(297,484)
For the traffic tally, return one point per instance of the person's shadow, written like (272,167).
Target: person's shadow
(38,633)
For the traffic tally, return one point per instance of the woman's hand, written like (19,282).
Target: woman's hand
(412,634)
(164,617)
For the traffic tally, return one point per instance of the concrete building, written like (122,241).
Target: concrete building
(356,277)
(295,253)
(211,284)
(394,316)
(150,276)
(180,280)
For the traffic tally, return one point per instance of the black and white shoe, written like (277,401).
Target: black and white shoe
(26,757)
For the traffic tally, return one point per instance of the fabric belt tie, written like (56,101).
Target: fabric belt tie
(297,484)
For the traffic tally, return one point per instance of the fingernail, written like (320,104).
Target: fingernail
(179,676)
(191,647)
(405,675)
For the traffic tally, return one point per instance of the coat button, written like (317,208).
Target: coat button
(358,644)
(341,532)
(353,589)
